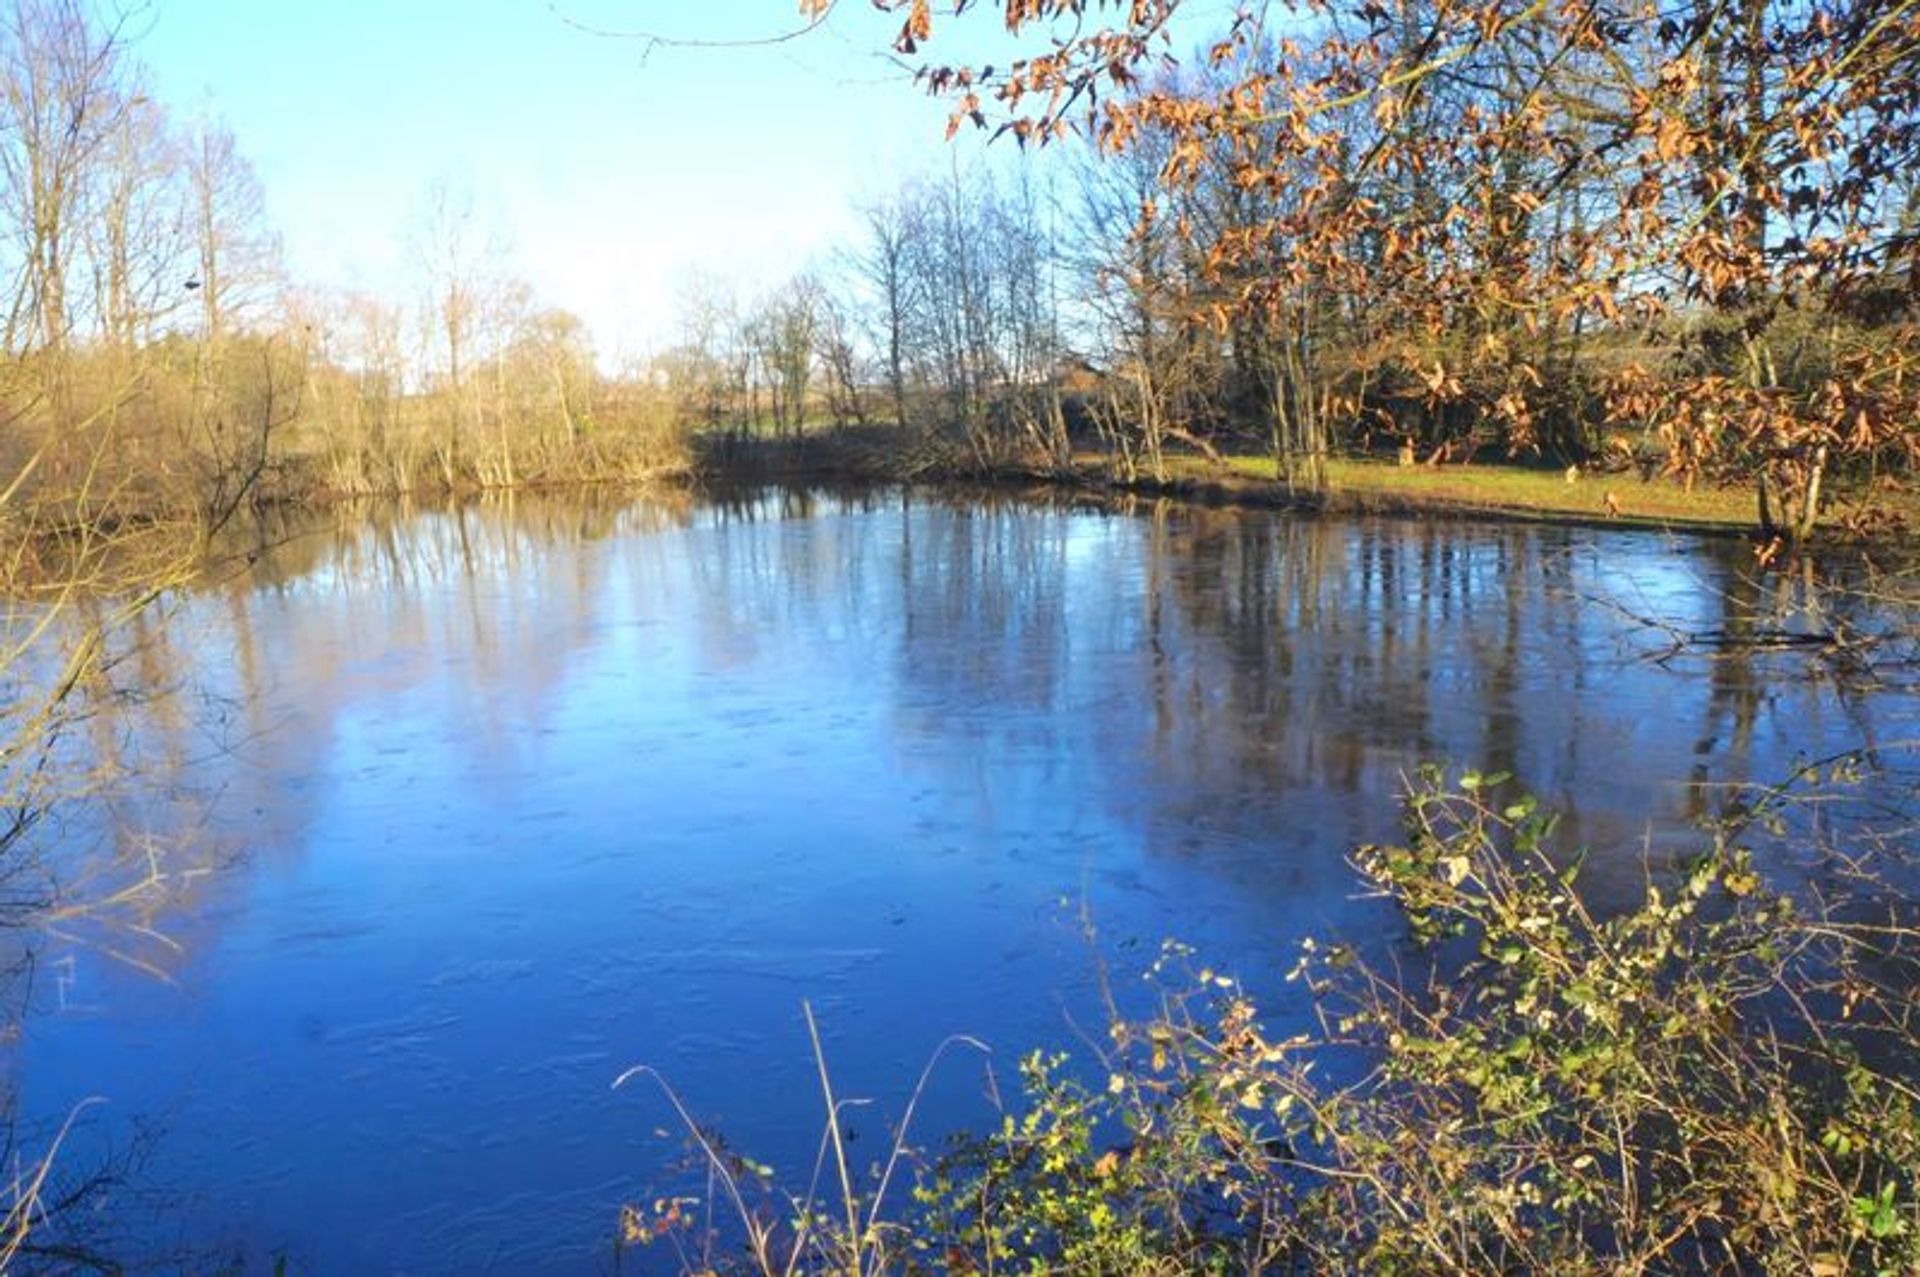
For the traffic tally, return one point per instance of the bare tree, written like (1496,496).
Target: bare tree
(702,366)
(60,101)
(840,359)
(137,239)
(785,330)
(449,252)
(883,264)
(238,252)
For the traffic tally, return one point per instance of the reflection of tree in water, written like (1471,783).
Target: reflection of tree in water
(1226,677)
(1255,678)
(1236,691)
(1835,649)
(197,735)
(80,864)
(206,725)
(1316,662)
(1238,675)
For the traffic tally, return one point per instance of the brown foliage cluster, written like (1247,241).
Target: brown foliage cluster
(1700,215)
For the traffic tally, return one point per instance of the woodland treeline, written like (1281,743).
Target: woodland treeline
(1682,235)
(158,358)
(1677,236)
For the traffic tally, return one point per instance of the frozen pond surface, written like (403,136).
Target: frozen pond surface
(518,796)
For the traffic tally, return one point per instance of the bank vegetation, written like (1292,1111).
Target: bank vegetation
(1614,244)
(1719,1079)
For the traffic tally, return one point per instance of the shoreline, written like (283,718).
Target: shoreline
(1358,487)
(1492,493)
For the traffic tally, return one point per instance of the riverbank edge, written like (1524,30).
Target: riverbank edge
(1237,491)
(829,458)
(880,457)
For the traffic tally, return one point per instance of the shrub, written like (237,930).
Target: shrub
(1716,1080)
(1719,1079)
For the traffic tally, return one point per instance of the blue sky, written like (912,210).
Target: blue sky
(609,169)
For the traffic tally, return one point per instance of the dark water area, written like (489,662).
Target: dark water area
(467,811)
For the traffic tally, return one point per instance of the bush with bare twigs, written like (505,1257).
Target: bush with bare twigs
(1720,1079)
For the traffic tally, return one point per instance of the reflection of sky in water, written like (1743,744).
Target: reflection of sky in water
(534,795)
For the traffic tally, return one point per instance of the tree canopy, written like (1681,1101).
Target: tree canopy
(1698,221)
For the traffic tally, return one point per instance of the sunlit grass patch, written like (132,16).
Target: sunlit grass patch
(1621,496)
(1512,488)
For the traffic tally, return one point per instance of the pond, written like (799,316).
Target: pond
(485,805)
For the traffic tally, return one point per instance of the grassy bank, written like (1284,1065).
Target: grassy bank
(1504,490)
(1358,485)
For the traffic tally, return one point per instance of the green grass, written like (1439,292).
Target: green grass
(1506,489)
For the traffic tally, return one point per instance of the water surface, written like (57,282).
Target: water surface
(498,801)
